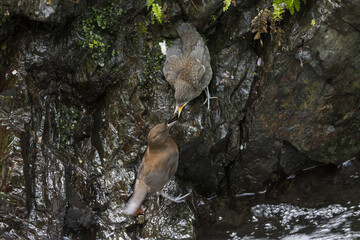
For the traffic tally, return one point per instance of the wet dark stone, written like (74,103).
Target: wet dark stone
(291,161)
(259,160)
(48,11)
(196,167)
(29,168)
(332,183)
(299,105)
(77,219)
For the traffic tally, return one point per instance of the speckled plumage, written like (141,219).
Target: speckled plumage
(187,66)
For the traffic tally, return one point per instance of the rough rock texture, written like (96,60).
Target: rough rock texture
(50,11)
(81,85)
(311,94)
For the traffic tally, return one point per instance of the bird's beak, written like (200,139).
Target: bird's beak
(170,124)
(179,109)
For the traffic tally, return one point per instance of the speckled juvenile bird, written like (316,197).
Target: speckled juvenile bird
(187,66)
(158,166)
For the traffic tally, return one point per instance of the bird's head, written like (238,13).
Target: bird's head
(179,107)
(158,134)
(183,94)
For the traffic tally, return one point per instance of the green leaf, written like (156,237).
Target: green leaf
(291,7)
(277,2)
(157,11)
(149,3)
(297,5)
(226,5)
(278,11)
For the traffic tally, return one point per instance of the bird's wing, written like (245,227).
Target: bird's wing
(196,72)
(204,82)
(171,68)
(201,53)
(198,51)
(197,63)
(160,175)
(173,62)
(193,42)
(175,48)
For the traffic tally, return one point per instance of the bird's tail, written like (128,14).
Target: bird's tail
(188,32)
(136,199)
(184,27)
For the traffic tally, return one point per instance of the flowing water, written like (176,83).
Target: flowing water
(320,203)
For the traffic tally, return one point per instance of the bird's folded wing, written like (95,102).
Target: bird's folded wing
(201,52)
(196,72)
(156,180)
(174,49)
(198,51)
(173,62)
(208,71)
(204,73)
(160,175)
(171,68)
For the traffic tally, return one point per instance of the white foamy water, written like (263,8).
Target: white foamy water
(330,222)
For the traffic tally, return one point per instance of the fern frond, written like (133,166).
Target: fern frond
(156,9)
(226,5)
(297,5)
(149,3)
(277,14)
(290,6)
(277,2)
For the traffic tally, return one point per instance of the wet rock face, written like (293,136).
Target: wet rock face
(327,181)
(79,98)
(308,101)
(311,92)
(52,11)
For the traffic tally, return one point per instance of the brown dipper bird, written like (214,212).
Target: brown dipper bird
(187,66)
(158,166)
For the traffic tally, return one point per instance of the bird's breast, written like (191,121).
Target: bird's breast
(159,158)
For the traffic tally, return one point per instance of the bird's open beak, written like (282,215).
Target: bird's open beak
(179,109)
